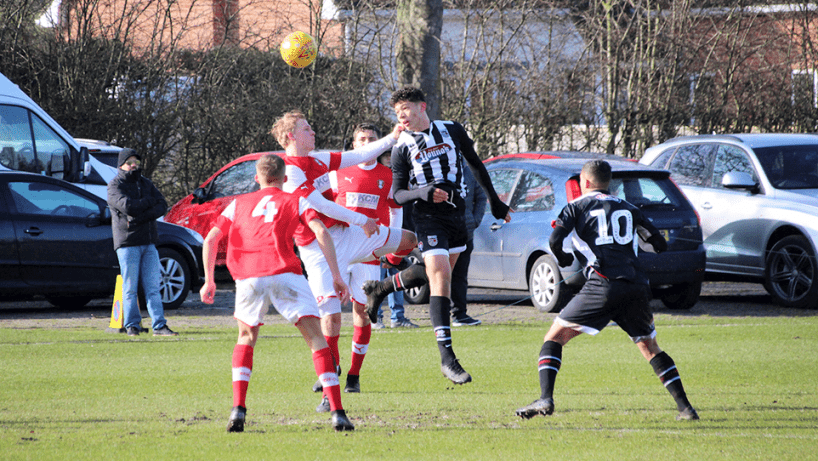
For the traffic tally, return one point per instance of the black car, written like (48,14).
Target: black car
(56,242)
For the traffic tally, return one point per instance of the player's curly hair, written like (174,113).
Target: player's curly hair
(285,125)
(407,94)
(271,167)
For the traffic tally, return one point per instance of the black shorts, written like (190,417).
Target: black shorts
(601,300)
(441,232)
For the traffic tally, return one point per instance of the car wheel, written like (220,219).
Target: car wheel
(548,292)
(68,302)
(418,295)
(682,296)
(175,284)
(791,273)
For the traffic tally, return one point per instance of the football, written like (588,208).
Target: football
(298,49)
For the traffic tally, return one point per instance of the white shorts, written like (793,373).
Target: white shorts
(289,293)
(358,274)
(351,246)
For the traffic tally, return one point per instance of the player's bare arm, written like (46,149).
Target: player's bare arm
(327,246)
(209,248)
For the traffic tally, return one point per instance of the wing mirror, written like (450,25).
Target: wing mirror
(739,180)
(199,195)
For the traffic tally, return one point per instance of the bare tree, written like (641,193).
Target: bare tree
(508,74)
(193,93)
(418,58)
(128,75)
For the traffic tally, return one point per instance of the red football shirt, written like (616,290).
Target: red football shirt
(304,175)
(260,227)
(366,190)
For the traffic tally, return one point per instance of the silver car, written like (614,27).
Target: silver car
(516,255)
(757,197)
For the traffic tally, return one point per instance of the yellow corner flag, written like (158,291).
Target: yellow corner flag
(117,312)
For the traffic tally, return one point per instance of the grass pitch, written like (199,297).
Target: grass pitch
(85,394)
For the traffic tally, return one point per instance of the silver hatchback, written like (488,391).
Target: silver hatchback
(757,197)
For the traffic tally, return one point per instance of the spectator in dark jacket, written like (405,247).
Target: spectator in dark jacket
(475,209)
(135,205)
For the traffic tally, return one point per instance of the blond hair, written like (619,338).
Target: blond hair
(286,125)
(270,167)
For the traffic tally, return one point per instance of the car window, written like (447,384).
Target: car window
(661,160)
(49,145)
(16,147)
(503,182)
(50,199)
(645,192)
(690,164)
(534,193)
(731,158)
(108,158)
(790,167)
(238,179)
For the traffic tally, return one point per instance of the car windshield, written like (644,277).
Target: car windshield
(790,167)
(645,192)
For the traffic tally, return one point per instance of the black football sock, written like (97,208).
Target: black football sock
(665,369)
(548,366)
(439,307)
(412,277)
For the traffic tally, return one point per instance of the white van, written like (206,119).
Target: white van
(30,140)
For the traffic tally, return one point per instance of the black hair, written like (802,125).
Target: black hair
(407,94)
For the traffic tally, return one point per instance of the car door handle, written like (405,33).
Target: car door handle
(33,231)
(495,226)
(707,205)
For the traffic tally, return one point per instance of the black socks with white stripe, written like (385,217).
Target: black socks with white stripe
(548,366)
(665,369)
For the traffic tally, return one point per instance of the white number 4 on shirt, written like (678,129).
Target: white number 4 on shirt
(265,208)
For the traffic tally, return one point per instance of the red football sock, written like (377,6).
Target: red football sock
(325,369)
(360,344)
(395,258)
(332,342)
(242,369)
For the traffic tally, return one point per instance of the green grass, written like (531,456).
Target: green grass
(86,394)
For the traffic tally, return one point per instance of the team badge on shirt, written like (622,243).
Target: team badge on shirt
(380,184)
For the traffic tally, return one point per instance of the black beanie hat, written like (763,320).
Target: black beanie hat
(125,154)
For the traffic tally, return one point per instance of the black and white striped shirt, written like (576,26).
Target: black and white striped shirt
(432,157)
(435,157)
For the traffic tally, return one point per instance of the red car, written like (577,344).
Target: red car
(199,210)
